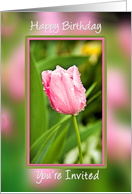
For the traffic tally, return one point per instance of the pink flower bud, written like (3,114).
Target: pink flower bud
(64,90)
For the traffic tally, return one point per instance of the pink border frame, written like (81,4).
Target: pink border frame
(28,102)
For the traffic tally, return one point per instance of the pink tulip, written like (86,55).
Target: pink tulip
(124,38)
(7,26)
(118,138)
(6,122)
(64,90)
(117,88)
(7,31)
(15,72)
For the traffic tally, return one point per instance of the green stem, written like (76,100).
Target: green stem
(78,138)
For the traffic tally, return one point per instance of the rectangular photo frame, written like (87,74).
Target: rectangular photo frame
(44,53)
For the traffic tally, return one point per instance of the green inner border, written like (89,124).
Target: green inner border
(105,108)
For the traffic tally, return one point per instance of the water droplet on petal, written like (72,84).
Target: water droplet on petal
(59,74)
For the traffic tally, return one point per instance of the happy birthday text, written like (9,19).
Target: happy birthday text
(54,28)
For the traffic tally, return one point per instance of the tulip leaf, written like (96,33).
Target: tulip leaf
(72,141)
(37,144)
(93,97)
(56,148)
(51,48)
(64,61)
(38,112)
(49,137)
(91,89)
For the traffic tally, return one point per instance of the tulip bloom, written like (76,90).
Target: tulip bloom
(66,94)
(64,90)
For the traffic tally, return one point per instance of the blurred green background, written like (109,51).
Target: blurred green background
(116,27)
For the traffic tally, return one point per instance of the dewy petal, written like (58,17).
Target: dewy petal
(79,89)
(70,71)
(62,92)
(46,78)
(76,78)
(58,94)
(80,98)
(70,91)
(60,68)
(74,74)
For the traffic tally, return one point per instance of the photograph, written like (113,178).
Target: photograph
(66,119)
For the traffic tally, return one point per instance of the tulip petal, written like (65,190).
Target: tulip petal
(74,74)
(60,68)
(80,90)
(80,99)
(46,78)
(64,90)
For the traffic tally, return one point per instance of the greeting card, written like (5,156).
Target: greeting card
(65,101)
